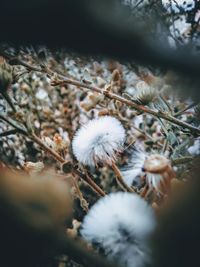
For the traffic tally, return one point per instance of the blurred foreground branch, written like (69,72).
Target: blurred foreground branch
(34,213)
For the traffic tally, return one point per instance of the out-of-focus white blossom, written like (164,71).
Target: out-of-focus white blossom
(135,166)
(120,224)
(41,94)
(98,141)
(177,6)
(180,30)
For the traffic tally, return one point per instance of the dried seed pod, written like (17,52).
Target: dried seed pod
(117,78)
(159,172)
(145,94)
(73,232)
(59,143)
(156,169)
(33,168)
(91,100)
(5,75)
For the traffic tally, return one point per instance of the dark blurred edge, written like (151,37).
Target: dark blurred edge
(89,27)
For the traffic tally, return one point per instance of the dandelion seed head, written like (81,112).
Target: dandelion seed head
(120,224)
(98,141)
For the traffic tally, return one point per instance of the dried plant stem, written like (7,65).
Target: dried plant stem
(86,178)
(61,80)
(14,124)
(165,146)
(144,133)
(147,135)
(7,133)
(54,154)
(185,109)
(9,101)
(79,253)
(83,202)
(65,80)
(120,179)
(145,191)
(156,113)
(47,149)
(182,160)
(89,181)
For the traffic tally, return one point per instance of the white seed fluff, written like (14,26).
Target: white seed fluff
(98,141)
(134,169)
(120,224)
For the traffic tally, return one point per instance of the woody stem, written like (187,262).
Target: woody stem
(120,179)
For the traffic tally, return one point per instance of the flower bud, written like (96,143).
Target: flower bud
(5,75)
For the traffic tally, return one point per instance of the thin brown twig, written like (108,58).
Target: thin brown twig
(54,154)
(79,253)
(13,124)
(185,109)
(9,101)
(61,80)
(83,202)
(84,177)
(147,135)
(182,160)
(47,148)
(120,179)
(156,113)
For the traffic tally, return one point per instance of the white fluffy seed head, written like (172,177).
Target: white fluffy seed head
(120,224)
(98,141)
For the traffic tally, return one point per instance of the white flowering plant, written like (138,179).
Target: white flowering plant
(118,133)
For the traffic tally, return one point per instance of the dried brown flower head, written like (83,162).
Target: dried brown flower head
(33,168)
(5,75)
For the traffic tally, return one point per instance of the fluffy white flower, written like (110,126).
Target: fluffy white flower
(135,166)
(120,224)
(98,141)
(156,168)
(177,6)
